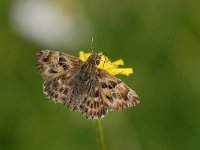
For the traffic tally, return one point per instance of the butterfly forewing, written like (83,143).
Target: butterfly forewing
(51,64)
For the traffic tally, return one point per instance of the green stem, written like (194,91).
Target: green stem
(100,133)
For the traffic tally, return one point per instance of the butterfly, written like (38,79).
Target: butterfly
(82,86)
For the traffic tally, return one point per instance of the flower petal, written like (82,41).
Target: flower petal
(107,65)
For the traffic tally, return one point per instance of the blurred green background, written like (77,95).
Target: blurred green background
(159,39)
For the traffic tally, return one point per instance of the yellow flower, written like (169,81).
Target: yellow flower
(107,65)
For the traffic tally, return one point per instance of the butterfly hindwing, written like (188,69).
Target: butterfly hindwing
(93,109)
(115,93)
(92,105)
(58,88)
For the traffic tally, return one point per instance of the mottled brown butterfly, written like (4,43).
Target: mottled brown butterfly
(82,86)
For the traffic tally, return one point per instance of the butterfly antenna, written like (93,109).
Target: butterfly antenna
(104,62)
(104,59)
(91,44)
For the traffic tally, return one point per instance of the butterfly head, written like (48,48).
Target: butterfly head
(95,58)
